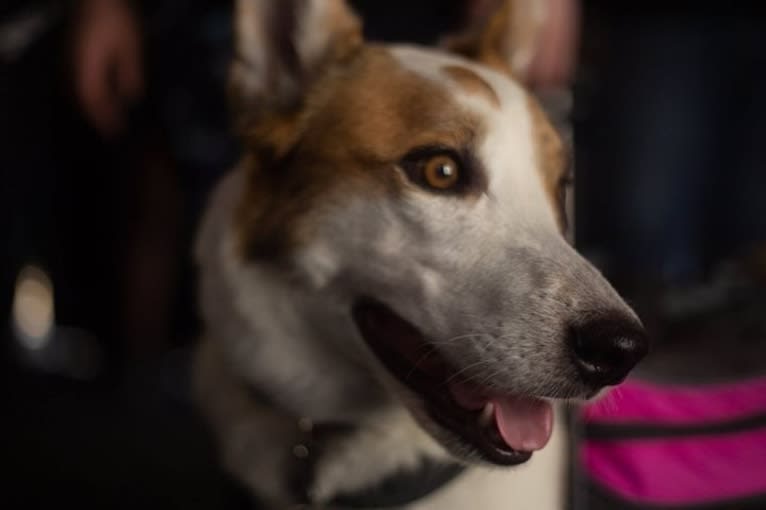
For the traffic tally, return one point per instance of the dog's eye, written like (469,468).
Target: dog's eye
(441,172)
(434,168)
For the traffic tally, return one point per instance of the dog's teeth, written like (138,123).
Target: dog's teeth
(485,418)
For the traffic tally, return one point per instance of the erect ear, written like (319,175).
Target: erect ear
(282,46)
(501,34)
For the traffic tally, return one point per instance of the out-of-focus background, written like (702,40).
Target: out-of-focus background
(114,128)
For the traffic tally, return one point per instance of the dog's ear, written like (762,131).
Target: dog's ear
(281,46)
(501,34)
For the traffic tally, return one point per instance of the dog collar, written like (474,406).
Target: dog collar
(393,491)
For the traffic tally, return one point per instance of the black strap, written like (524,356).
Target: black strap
(402,488)
(631,431)
(395,490)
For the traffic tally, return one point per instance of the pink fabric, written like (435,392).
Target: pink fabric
(680,470)
(645,403)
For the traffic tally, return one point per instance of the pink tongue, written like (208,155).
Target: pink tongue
(524,423)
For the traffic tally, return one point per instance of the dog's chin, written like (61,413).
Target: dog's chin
(473,423)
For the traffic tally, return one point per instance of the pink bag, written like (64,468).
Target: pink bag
(683,447)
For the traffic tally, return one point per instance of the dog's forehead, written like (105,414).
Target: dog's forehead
(513,148)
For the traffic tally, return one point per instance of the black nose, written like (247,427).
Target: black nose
(606,349)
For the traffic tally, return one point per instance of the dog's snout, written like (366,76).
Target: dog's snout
(607,349)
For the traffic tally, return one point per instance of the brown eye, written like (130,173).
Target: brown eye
(441,172)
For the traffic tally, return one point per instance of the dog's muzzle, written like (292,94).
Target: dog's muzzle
(501,427)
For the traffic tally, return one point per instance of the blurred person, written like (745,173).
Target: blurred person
(108,60)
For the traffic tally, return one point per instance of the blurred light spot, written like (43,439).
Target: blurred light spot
(33,308)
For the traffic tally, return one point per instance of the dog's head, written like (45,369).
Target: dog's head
(424,189)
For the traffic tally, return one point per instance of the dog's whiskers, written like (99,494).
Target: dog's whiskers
(486,381)
(457,338)
(433,346)
(465,369)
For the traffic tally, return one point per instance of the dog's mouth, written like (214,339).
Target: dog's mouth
(503,429)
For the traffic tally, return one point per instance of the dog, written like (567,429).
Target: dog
(392,312)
